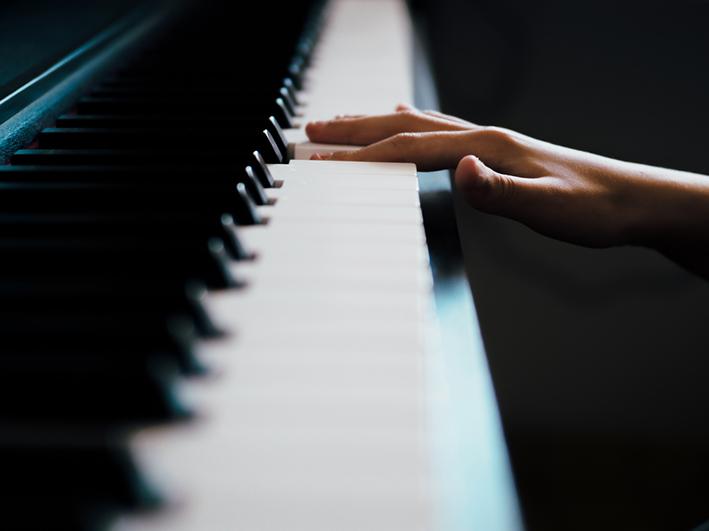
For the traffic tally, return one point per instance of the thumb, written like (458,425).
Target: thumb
(497,193)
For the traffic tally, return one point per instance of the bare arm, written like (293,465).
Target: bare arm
(564,193)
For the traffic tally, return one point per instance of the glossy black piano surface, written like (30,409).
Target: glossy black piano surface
(137,121)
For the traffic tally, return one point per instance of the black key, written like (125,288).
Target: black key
(62,388)
(56,293)
(248,210)
(138,138)
(53,480)
(290,87)
(279,137)
(141,225)
(206,142)
(253,185)
(157,106)
(178,260)
(288,101)
(261,170)
(130,196)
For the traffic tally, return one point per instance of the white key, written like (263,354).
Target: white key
(315,415)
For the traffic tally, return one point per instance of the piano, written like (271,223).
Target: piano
(202,329)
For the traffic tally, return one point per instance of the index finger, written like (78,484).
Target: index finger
(363,130)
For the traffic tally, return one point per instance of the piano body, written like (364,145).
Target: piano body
(203,329)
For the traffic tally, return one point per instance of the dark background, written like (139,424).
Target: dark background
(600,358)
(36,34)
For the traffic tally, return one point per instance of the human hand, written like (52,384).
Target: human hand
(564,193)
(430,139)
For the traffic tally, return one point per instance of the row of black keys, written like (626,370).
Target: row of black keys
(146,205)
(113,223)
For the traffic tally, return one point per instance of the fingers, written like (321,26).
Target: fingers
(403,107)
(429,151)
(363,130)
(441,149)
(451,118)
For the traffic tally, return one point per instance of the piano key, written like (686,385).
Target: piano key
(188,260)
(96,198)
(119,121)
(253,185)
(111,160)
(76,482)
(314,412)
(84,389)
(261,169)
(67,293)
(138,138)
(191,226)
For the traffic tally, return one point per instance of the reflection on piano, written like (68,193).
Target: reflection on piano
(200,329)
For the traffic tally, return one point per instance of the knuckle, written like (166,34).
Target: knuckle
(497,136)
(408,118)
(409,114)
(403,140)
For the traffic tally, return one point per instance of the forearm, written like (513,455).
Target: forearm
(671,207)
(675,216)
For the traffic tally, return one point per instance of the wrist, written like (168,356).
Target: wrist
(669,209)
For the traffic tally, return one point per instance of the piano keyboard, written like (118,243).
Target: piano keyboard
(202,328)
(315,418)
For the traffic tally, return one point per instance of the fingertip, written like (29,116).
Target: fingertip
(473,176)
(403,107)
(321,156)
(312,128)
(468,165)
(313,125)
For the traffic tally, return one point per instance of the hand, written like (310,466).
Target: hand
(564,193)
(430,139)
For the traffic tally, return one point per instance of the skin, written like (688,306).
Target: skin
(564,193)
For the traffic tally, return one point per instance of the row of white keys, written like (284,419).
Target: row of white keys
(362,65)
(315,416)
